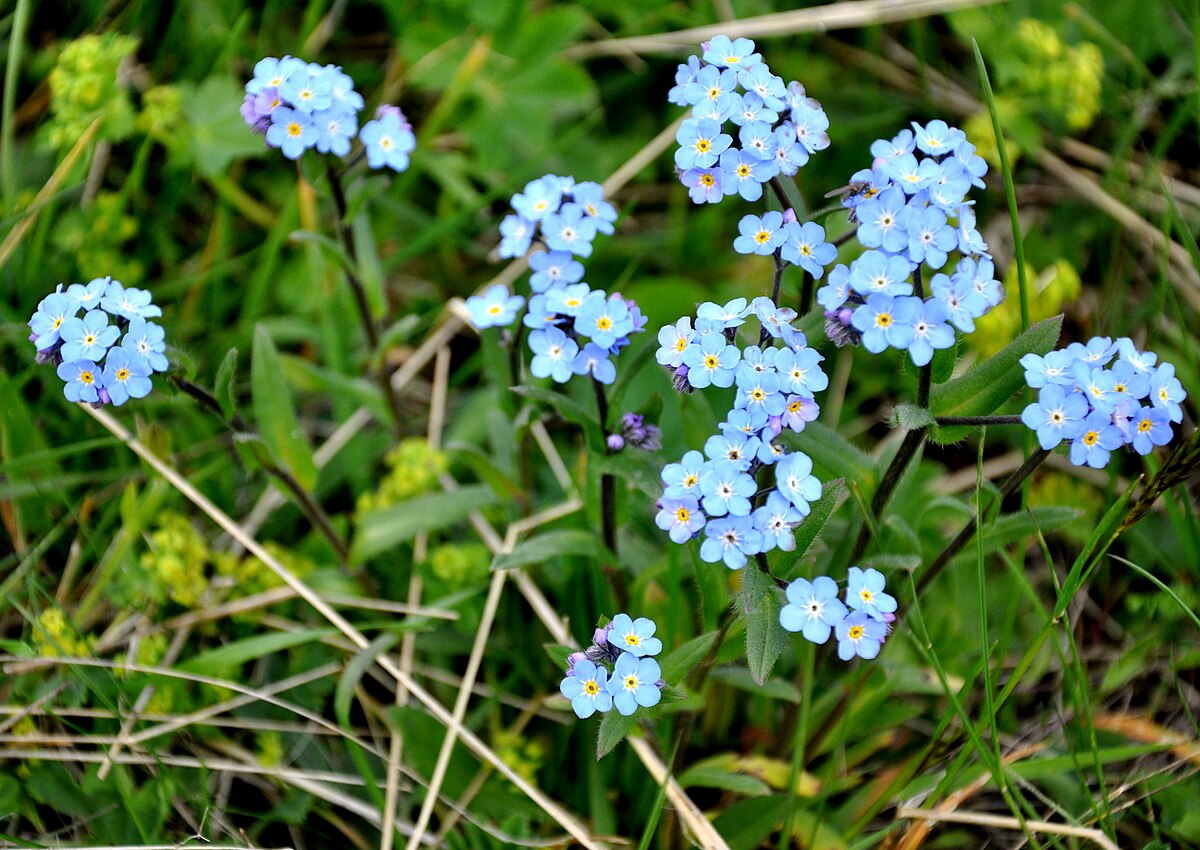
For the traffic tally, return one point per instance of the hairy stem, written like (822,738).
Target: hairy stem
(999,419)
(777,282)
(312,511)
(346,237)
(608,505)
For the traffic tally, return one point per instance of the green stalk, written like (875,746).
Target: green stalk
(16,45)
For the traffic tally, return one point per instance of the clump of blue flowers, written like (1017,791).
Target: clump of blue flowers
(107,354)
(778,125)
(719,491)
(618,669)
(1097,404)
(861,623)
(912,214)
(574,329)
(299,105)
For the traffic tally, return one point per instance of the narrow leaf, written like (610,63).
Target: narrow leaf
(679,662)
(379,531)
(273,410)
(558,653)
(226,375)
(352,675)
(552,544)
(765,638)
(232,655)
(569,409)
(613,729)
(806,533)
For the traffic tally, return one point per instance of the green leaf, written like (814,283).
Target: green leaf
(379,531)
(941,367)
(909,417)
(632,362)
(765,638)
(553,544)
(273,410)
(308,376)
(226,375)
(726,780)
(739,678)
(352,675)
(806,533)
(214,662)
(638,468)
(218,134)
(981,391)
(613,729)
(558,653)
(834,452)
(328,246)
(679,662)
(569,409)
(1016,527)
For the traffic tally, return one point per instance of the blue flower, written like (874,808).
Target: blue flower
(341,88)
(722,52)
(776,520)
(948,194)
(53,310)
(126,376)
(876,273)
(1056,415)
(714,87)
(88,338)
(83,378)
(936,138)
(759,390)
(883,221)
(962,304)
(732,314)
(89,296)
(743,173)
(859,635)
(760,235)
(603,318)
(146,340)
(813,608)
(902,143)
(494,308)
(593,360)
(634,636)
(1097,352)
(587,688)
(929,331)
(748,422)
(701,142)
(553,268)
(388,142)
(1129,380)
(799,372)
(810,123)
(970,240)
(794,479)
(790,156)
(681,518)
(540,198)
(337,126)
(554,353)
(799,411)
(910,175)
(273,73)
(768,86)
(886,321)
(805,246)
(683,478)
(568,300)
(590,196)
(982,277)
(930,237)
(864,592)
(836,290)
(704,185)
(517,233)
(727,489)
(711,361)
(673,340)
(1166,392)
(1143,361)
(128,303)
(758,139)
(775,320)
(1054,368)
(685,75)
(569,229)
(730,539)
(750,107)
(292,131)
(1099,385)
(1097,437)
(634,682)
(1149,428)
(308,92)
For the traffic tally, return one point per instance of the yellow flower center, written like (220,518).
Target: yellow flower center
(743,170)
(690,481)
(1119,388)
(58,321)
(683,514)
(87,378)
(711,361)
(1163,393)
(866,595)
(122,374)
(805,250)
(762,237)
(703,145)
(794,407)
(294,129)
(757,394)
(714,93)
(591,209)
(386,143)
(631,683)
(1145,425)
(494,310)
(604,323)
(1056,418)
(632,640)
(708,180)
(90,339)
(680,344)
(1090,438)
(855,632)
(591,688)
(883,320)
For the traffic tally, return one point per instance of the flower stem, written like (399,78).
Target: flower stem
(346,237)
(765,569)
(1004,419)
(778,280)
(608,505)
(238,427)
(1007,488)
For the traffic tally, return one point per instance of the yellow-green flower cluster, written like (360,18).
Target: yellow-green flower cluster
(250,575)
(523,754)
(1064,79)
(413,468)
(1049,291)
(97,237)
(460,564)
(86,85)
(149,651)
(54,637)
(178,559)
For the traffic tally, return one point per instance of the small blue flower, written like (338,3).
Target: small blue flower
(715,86)
(1097,352)
(681,518)
(776,521)
(813,608)
(732,314)
(859,635)
(758,139)
(936,138)
(929,331)
(731,540)
(1150,427)
(292,131)
(494,308)
(760,235)
(775,320)
(88,338)
(883,221)
(634,682)
(1143,361)
(517,233)
(734,445)
(704,185)
(885,321)
(553,268)
(727,489)
(799,372)
(128,303)
(1166,392)
(794,479)
(683,478)
(587,688)
(590,196)
(981,275)
(673,340)
(1054,368)
(89,296)
(799,411)
(810,123)
(1099,385)
(724,53)
(146,340)
(749,107)
(634,636)
(685,75)
(744,173)
(126,376)
(876,273)
(759,390)
(388,142)
(805,246)
(593,360)
(930,237)
(910,175)
(962,304)
(1128,380)
(701,142)
(272,73)
(83,378)
(1056,415)
(568,300)
(337,126)
(864,592)
(569,229)
(768,86)
(790,156)
(901,144)
(1097,438)
(51,313)
(711,361)
(603,318)
(554,353)
(306,91)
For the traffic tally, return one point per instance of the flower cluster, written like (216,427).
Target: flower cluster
(634,679)
(911,210)
(861,622)
(779,126)
(98,364)
(775,388)
(573,328)
(799,244)
(1095,403)
(299,105)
